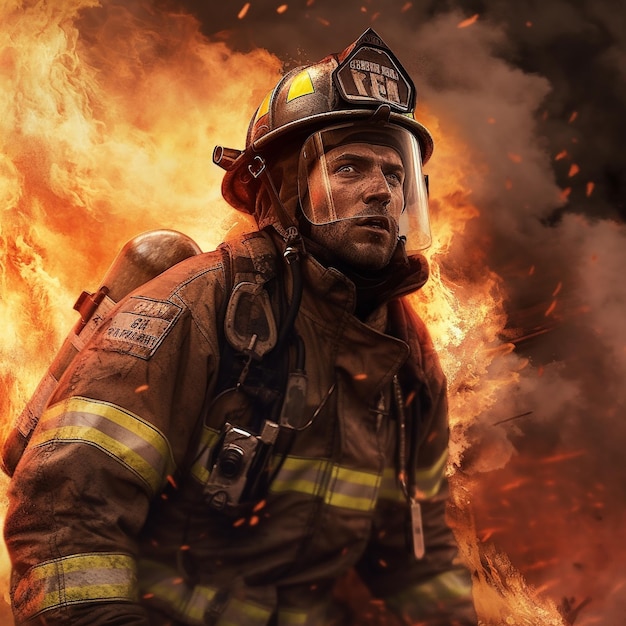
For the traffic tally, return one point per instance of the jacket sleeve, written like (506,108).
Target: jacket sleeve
(103,450)
(434,590)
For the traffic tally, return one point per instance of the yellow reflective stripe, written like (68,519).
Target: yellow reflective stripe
(290,617)
(265,107)
(389,487)
(428,481)
(199,470)
(300,86)
(165,585)
(352,489)
(338,486)
(239,612)
(200,473)
(312,616)
(129,439)
(75,579)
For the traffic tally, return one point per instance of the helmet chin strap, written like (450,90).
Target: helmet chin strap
(288,225)
(294,246)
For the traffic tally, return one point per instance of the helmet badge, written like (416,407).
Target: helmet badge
(370,74)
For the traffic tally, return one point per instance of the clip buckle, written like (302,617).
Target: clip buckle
(257,167)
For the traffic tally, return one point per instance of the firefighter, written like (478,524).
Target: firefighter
(255,422)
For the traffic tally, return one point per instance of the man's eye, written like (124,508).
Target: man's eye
(394,178)
(345,169)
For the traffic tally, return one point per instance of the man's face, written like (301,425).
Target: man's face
(366,184)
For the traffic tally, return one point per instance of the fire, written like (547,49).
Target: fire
(110,115)
(465,314)
(91,156)
(109,118)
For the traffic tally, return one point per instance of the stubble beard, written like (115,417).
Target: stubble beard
(358,248)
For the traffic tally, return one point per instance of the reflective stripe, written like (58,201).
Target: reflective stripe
(76,579)
(239,612)
(312,616)
(265,107)
(302,475)
(301,85)
(199,469)
(390,487)
(427,481)
(164,586)
(338,486)
(352,489)
(287,617)
(432,596)
(446,586)
(132,441)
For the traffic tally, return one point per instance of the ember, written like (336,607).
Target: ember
(243,11)
(468,22)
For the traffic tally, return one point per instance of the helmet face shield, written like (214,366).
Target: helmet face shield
(359,170)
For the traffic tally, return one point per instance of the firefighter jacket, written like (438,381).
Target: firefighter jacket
(108,521)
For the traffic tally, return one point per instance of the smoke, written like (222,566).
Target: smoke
(560,263)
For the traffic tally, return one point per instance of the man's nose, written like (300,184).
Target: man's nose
(377,188)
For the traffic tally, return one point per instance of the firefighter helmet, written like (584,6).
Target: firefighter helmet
(343,87)
(363,86)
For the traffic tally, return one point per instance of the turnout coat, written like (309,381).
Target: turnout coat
(108,520)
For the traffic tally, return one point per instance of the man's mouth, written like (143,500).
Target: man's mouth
(377,222)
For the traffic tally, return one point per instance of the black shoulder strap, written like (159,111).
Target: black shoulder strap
(245,310)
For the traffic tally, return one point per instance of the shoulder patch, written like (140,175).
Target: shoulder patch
(141,326)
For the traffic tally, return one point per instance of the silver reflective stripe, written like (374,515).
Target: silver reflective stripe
(352,489)
(132,441)
(338,486)
(76,579)
(301,475)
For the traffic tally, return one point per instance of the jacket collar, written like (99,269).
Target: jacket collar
(362,294)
